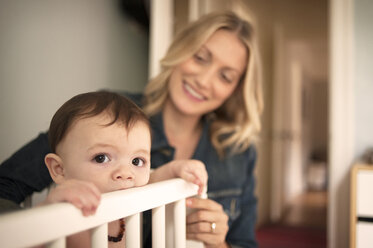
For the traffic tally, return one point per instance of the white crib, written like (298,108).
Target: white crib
(52,223)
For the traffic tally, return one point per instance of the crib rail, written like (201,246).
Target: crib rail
(52,223)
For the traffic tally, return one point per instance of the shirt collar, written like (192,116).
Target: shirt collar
(159,139)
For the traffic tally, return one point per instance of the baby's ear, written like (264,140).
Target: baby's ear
(55,167)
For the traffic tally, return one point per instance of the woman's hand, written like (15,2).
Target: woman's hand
(83,195)
(209,223)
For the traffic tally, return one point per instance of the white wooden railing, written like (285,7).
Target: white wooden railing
(51,224)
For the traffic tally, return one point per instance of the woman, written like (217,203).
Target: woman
(205,105)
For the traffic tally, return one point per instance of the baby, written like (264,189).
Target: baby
(101,142)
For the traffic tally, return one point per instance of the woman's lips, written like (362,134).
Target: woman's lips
(192,93)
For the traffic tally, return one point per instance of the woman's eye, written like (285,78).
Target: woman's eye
(101,158)
(199,58)
(227,78)
(138,162)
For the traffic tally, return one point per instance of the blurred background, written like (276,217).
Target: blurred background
(317,85)
(53,50)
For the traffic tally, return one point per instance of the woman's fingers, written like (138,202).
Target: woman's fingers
(205,227)
(206,233)
(208,224)
(206,216)
(207,204)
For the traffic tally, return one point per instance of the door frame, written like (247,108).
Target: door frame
(341,119)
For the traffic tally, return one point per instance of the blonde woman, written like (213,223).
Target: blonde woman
(204,106)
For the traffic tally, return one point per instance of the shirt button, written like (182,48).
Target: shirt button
(166,152)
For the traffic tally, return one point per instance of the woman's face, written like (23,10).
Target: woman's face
(203,82)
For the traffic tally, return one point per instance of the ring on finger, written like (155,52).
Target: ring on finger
(213,227)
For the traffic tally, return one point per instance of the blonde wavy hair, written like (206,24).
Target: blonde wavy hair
(236,123)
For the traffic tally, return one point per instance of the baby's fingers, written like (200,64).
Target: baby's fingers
(197,178)
(201,177)
(83,195)
(87,203)
(90,199)
(190,177)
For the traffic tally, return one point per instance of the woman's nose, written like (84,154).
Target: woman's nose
(205,77)
(123,173)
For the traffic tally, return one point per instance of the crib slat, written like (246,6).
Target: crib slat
(99,236)
(132,232)
(170,225)
(58,243)
(158,227)
(180,223)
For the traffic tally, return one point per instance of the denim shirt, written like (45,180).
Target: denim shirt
(231,180)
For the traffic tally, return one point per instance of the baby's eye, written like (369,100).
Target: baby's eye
(138,162)
(101,158)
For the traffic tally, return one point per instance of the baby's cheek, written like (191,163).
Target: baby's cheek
(143,177)
(103,188)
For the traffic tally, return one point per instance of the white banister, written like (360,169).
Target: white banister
(58,243)
(132,233)
(47,224)
(99,236)
(159,227)
(180,223)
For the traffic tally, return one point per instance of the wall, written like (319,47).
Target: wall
(52,50)
(363,76)
(350,106)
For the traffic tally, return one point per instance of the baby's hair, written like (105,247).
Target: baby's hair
(92,104)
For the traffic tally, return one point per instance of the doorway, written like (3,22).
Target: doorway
(300,104)
(299,131)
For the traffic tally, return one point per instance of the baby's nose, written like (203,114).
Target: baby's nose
(123,173)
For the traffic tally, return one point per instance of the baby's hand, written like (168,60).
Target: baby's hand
(192,171)
(83,195)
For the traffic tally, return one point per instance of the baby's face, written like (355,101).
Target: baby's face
(111,157)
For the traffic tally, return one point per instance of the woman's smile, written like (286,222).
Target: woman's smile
(203,82)
(192,93)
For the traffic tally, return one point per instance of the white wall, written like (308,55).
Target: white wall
(52,50)
(351,106)
(363,76)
